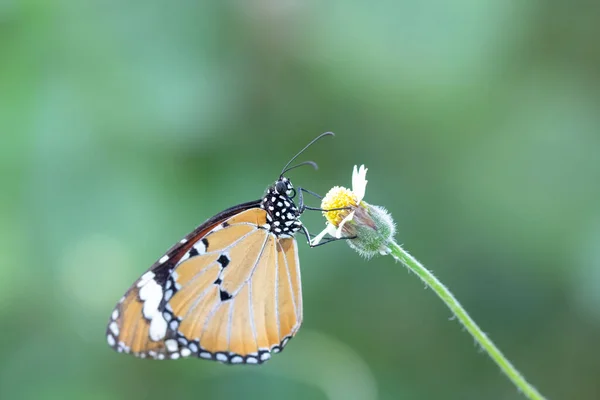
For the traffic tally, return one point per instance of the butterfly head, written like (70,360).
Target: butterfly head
(284,186)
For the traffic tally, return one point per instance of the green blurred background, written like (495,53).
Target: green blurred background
(124,124)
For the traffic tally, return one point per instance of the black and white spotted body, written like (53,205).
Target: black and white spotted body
(282,214)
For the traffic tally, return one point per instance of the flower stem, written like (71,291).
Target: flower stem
(412,264)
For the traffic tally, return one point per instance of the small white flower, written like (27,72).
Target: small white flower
(340,197)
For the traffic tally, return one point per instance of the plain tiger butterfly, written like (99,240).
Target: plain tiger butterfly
(230,291)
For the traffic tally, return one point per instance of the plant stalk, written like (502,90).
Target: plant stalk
(505,366)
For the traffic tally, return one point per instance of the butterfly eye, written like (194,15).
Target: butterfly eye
(281,187)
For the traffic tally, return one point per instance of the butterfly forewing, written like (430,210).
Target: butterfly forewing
(230,291)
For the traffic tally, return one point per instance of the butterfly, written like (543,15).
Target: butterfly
(230,291)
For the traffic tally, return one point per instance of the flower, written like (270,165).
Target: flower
(368,228)
(344,202)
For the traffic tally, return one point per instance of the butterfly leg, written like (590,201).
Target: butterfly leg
(328,240)
(301,205)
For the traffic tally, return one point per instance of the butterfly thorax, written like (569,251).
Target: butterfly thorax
(282,214)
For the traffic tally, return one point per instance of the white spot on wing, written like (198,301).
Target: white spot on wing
(163,259)
(151,294)
(221,357)
(145,278)
(185,352)
(200,247)
(171,345)
(110,339)
(158,328)
(114,328)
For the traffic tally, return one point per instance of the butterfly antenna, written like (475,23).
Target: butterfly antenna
(302,151)
(311,163)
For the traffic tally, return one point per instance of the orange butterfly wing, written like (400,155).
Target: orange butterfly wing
(230,292)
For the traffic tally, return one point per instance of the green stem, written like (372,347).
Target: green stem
(411,263)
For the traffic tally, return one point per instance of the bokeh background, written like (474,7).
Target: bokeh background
(124,124)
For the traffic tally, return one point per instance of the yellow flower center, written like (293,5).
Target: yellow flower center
(338,197)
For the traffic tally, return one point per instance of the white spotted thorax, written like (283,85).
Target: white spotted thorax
(282,214)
